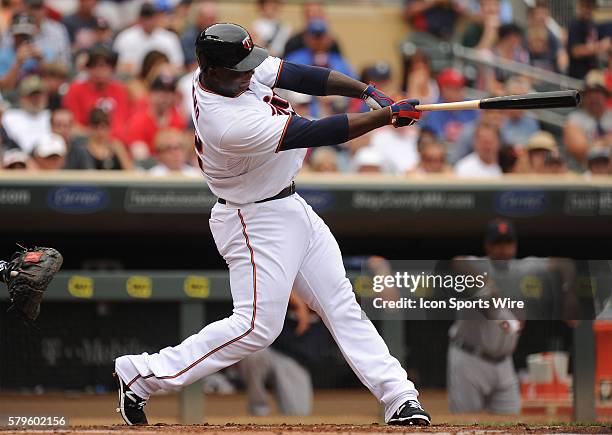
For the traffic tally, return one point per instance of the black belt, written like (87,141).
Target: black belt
(479,353)
(287,191)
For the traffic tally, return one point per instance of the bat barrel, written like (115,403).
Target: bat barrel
(538,100)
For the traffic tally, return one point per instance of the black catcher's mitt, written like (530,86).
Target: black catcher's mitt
(28,274)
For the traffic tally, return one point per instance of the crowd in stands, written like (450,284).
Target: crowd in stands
(107,86)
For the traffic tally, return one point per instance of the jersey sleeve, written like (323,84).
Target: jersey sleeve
(267,73)
(255,134)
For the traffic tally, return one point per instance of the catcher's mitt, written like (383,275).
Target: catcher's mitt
(28,274)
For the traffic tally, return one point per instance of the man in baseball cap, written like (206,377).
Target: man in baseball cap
(500,240)
(539,146)
(49,152)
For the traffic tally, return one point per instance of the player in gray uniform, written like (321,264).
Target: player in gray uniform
(480,372)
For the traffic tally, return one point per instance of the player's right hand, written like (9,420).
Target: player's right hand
(404,113)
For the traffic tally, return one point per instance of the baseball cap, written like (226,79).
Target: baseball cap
(23,24)
(598,153)
(13,156)
(542,140)
(50,145)
(30,85)
(500,230)
(451,77)
(594,81)
(147,10)
(368,157)
(379,72)
(101,51)
(163,82)
(317,27)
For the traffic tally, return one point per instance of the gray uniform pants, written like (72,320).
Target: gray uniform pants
(290,380)
(476,385)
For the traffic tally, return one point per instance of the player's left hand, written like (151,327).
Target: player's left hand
(376,99)
(28,274)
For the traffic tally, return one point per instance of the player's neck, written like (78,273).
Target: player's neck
(214,86)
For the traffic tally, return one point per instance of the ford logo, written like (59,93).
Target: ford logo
(77,199)
(521,203)
(318,200)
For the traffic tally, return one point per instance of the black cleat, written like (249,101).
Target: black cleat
(130,405)
(410,413)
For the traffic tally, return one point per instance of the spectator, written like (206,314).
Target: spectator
(160,113)
(102,33)
(518,125)
(312,10)
(591,124)
(447,125)
(483,162)
(324,159)
(436,18)
(133,43)
(419,82)
(27,124)
(545,49)
(154,64)
(432,158)
(51,36)
(465,143)
(206,15)
(318,50)
(598,162)
(105,151)
(62,124)
(584,45)
(19,56)
(368,160)
(509,47)
(482,34)
(539,147)
(55,79)
(268,30)
(8,9)
(397,147)
(180,18)
(99,89)
(82,24)
(172,156)
(50,152)
(15,159)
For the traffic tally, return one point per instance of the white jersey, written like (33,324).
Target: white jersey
(239,138)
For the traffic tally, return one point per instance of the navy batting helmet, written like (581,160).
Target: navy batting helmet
(228,46)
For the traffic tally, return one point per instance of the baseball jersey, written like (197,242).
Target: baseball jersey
(238,138)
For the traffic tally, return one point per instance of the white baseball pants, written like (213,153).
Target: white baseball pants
(269,247)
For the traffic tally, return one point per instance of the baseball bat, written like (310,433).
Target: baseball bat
(536,100)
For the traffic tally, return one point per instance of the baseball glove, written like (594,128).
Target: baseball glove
(27,276)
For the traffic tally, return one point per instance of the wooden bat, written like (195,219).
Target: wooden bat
(537,100)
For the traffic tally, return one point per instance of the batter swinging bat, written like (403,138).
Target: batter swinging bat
(537,100)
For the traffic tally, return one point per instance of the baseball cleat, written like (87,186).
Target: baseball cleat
(410,413)
(130,405)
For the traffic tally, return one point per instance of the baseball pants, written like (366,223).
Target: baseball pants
(269,246)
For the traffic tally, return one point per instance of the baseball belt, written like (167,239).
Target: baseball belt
(287,191)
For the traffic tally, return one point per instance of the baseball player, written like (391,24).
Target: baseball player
(250,145)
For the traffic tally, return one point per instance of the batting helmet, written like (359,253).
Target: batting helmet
(228,46)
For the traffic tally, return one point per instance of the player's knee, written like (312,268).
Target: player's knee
(266,333)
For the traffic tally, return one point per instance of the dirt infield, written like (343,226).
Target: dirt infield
(284,429)
(345,412)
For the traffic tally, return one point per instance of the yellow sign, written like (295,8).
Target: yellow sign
(139,287)
(81,286)
(197,286)
(531,287)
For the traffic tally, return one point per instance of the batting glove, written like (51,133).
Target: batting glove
(375,99)
(404,113)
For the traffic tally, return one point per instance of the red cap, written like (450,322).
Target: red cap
(451,77)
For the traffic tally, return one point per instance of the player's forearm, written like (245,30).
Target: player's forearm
(341,84)
(362,123)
